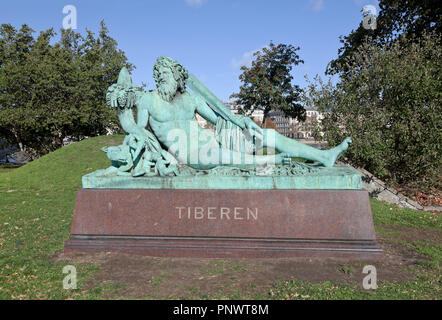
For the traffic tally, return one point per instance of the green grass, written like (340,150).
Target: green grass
(36,206)
(426,286)
(388,214)
(156,281)
(428,279)
(7,167)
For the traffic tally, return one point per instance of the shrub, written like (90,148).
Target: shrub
(389,103)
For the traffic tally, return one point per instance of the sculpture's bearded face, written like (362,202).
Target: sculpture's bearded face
(170,77)
(166,84)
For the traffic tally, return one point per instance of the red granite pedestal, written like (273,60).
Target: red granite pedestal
(225,223)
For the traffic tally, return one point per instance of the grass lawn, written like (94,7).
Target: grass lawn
(36,206)
(8,167)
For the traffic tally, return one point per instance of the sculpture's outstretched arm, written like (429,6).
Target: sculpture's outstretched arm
(218,108)
(203,109)
(216,104)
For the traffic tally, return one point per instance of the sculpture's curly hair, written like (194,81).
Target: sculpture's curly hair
(179,72)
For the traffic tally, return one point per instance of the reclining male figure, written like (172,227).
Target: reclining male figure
(170,113)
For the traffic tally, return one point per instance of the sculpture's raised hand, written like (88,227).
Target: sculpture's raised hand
(251,125)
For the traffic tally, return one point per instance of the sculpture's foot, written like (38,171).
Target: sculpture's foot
(124,173)
(139,172)
(333,154)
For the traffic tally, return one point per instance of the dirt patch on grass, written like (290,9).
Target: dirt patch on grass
(186,278)
(410,234)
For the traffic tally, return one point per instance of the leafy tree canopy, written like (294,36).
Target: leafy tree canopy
(389,102)
(267,84)
(50,90)
(396,17)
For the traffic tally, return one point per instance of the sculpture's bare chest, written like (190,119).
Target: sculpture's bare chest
(181,108)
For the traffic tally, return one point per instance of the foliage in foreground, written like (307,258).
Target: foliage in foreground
(389,102)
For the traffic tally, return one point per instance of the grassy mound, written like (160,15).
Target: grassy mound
(36,206)
(61,170)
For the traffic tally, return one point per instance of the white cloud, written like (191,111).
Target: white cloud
(246,59)
(361,3)
(195,3)
(316,5)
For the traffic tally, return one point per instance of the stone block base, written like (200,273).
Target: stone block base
(225,223)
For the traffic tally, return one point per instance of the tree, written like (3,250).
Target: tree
(267,84)
(52,91)
(15,45)
(411,17)
(389,102)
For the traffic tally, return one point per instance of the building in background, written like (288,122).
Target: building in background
(286,126)
(283,123)
(295,129)
(306,129)
(256,115)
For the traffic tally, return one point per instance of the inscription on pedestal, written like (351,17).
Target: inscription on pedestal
(217,213)
(225,223)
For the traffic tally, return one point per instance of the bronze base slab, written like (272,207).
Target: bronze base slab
(225,223)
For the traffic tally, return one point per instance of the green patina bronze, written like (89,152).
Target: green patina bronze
(269,177)
(177,153)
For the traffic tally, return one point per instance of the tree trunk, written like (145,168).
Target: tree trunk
(58,141)
(266,112)
(17,138)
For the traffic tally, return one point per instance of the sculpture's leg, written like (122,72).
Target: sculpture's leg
(272,138)
(207,154)
(235,158)
(213,157)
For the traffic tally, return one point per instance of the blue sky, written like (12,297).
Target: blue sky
(211,38)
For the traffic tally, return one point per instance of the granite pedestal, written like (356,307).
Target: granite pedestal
(218,223)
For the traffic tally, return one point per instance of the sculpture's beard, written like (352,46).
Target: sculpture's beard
(167,90)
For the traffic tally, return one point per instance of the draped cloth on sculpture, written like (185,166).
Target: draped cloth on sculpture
(229,132)
(232,137)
